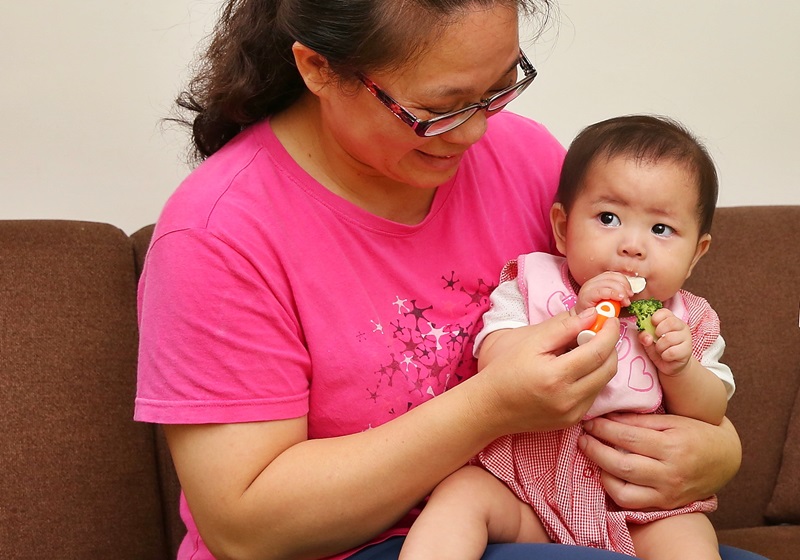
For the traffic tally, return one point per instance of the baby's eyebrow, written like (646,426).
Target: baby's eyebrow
(602,200)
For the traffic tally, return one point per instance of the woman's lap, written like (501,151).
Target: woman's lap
(390,549)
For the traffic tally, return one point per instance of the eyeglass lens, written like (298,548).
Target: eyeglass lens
(495,104)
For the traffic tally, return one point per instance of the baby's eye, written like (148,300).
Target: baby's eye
(609,219)
(662,230)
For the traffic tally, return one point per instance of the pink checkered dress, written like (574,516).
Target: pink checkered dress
(548,471)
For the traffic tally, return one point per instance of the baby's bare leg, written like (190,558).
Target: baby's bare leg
(681,537)
(467,510)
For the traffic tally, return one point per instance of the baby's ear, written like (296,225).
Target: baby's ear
(703,245)
(558,221)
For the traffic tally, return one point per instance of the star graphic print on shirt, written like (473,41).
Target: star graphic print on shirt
(429,345)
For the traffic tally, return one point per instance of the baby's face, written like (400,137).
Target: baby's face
(637,218)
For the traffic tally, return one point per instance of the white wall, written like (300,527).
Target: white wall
(728,69)
(85,84)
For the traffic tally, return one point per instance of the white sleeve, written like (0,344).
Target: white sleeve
(507,310)
(711,361)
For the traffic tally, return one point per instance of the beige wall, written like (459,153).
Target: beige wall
(85,84)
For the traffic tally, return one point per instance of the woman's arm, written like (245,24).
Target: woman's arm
(262,490)
(670,460)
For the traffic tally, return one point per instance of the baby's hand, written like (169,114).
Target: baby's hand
(605,286)
(672,348)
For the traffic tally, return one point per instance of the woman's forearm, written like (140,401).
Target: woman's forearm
(323,496)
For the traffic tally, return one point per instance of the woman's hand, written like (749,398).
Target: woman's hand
(670,460)
(534,378)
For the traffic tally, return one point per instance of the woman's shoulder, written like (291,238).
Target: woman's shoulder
(518,130)
(519,154)
(520,145)
(220,184)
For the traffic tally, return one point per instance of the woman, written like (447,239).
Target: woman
(312,290)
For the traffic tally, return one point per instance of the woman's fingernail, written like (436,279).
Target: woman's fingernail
(582,443)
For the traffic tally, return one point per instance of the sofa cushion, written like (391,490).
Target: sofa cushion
(78,475)
(750,277)
(785,504)
(779,542)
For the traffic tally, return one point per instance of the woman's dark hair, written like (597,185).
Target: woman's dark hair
(248,72)
(645,138)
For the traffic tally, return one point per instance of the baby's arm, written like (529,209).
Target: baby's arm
(690,389)
(508,311)
(492,346)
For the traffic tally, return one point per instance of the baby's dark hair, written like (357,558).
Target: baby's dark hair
(645,138)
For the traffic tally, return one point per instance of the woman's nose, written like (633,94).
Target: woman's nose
(468,132)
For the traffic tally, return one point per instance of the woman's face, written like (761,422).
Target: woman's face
(475,57)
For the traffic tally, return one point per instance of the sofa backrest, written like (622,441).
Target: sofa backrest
(751,276)
(78,478)
(81,480)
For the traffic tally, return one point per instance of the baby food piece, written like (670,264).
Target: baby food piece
(637,283)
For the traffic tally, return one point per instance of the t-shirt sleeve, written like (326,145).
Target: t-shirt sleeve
(711,361)
(219,341)
(507,311)
(707,342)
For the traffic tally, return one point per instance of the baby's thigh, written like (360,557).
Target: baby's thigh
(490,502)
(679,537)
(471,489)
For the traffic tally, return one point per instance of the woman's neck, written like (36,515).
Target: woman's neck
(298,129)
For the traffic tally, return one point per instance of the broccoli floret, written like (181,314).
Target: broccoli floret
(643,310)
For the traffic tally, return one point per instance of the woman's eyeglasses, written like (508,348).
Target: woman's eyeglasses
(448,121)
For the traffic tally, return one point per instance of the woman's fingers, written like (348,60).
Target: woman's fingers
(538,382)
(629,479)
(597,355)
(632,496)
(642,434)
(661,460)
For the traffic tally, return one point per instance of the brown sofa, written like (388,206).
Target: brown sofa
(81,480)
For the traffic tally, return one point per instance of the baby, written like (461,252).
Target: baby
(632,214)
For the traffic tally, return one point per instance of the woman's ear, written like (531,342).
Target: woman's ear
(558,221)
(312,66)
(703,245)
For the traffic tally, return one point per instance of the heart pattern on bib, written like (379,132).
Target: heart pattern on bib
(639,379)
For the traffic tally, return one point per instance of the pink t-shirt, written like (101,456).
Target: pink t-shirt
(265,296)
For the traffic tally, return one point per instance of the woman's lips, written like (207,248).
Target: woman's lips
(440,162)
